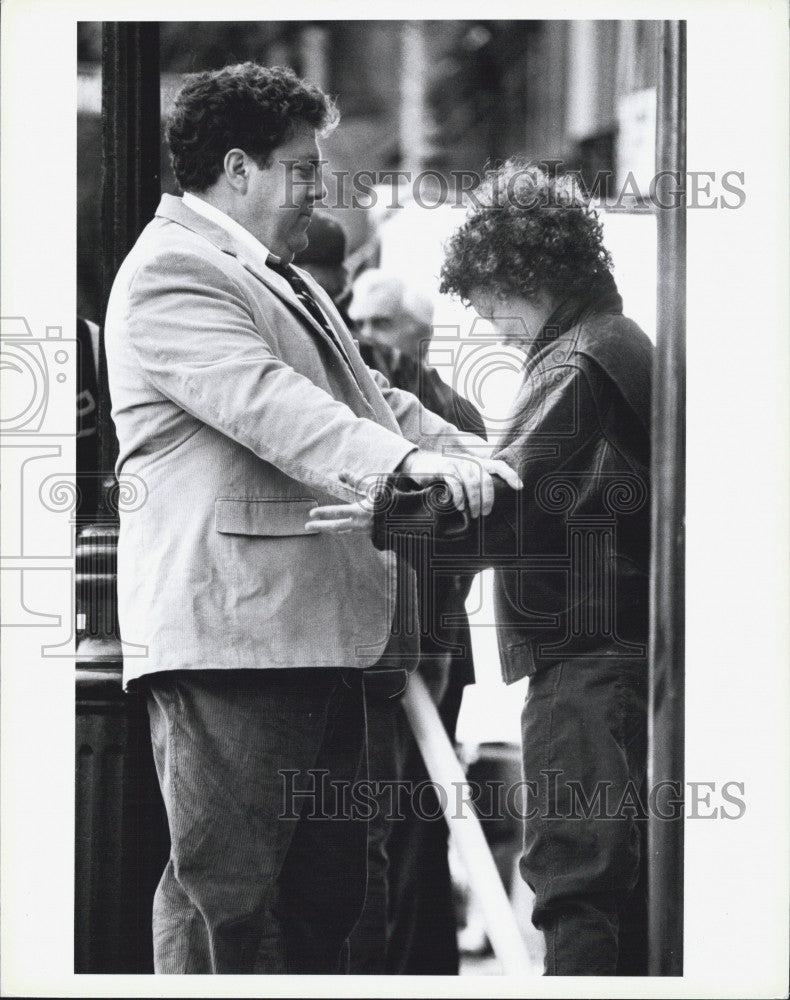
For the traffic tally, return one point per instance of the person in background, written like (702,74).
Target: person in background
(390,312)
(408,926)
(571,552)
(393,322)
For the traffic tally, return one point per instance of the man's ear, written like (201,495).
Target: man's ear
(236,169)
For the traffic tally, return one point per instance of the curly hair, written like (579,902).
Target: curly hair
(247,106)
(526,232)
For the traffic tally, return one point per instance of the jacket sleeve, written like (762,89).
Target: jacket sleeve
(427,516)
(424,427)
(197,343)
(549,438)
(417,423)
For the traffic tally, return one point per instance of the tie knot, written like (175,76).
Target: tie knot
(287,272)
(277,265)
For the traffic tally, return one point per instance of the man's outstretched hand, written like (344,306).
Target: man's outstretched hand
(470,480)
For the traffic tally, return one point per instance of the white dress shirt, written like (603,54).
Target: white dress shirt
(218,217)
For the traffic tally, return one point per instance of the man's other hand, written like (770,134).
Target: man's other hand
(469,480)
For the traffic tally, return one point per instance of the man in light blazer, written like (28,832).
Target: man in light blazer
(240,399)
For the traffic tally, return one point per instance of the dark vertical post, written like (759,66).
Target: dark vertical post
(667,627)
(130,159)
(122,842)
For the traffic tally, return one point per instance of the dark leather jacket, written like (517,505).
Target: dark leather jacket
(571,550)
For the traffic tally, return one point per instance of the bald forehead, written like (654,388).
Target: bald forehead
(388,295)
(382,298)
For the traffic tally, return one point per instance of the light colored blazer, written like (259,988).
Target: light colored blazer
(238,413)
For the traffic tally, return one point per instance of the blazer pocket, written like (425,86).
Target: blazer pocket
(262,517)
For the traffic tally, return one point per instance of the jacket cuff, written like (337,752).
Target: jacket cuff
(401,508)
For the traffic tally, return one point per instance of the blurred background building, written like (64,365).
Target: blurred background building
(416,95)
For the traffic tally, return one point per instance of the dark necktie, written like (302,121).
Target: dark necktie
(304,295)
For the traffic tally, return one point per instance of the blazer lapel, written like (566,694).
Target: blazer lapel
(277,284)
(175,210)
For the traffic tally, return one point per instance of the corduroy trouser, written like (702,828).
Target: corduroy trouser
(267,868)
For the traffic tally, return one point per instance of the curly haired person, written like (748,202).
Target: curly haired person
(570,550)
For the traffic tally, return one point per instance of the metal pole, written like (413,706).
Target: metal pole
(467,833)
(666,722)
(122,841)
(413,113)
(131,168)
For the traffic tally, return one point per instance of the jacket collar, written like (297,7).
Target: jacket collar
(173,209)
(238,233)
(594,325)
(572,312)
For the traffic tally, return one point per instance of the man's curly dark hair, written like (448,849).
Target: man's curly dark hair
(527,231)
(247,106)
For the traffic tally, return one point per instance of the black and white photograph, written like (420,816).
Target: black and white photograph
(394,461)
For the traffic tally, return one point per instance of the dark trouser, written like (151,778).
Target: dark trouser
(408,926)
(265,874)
(423,937)
(584,728)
